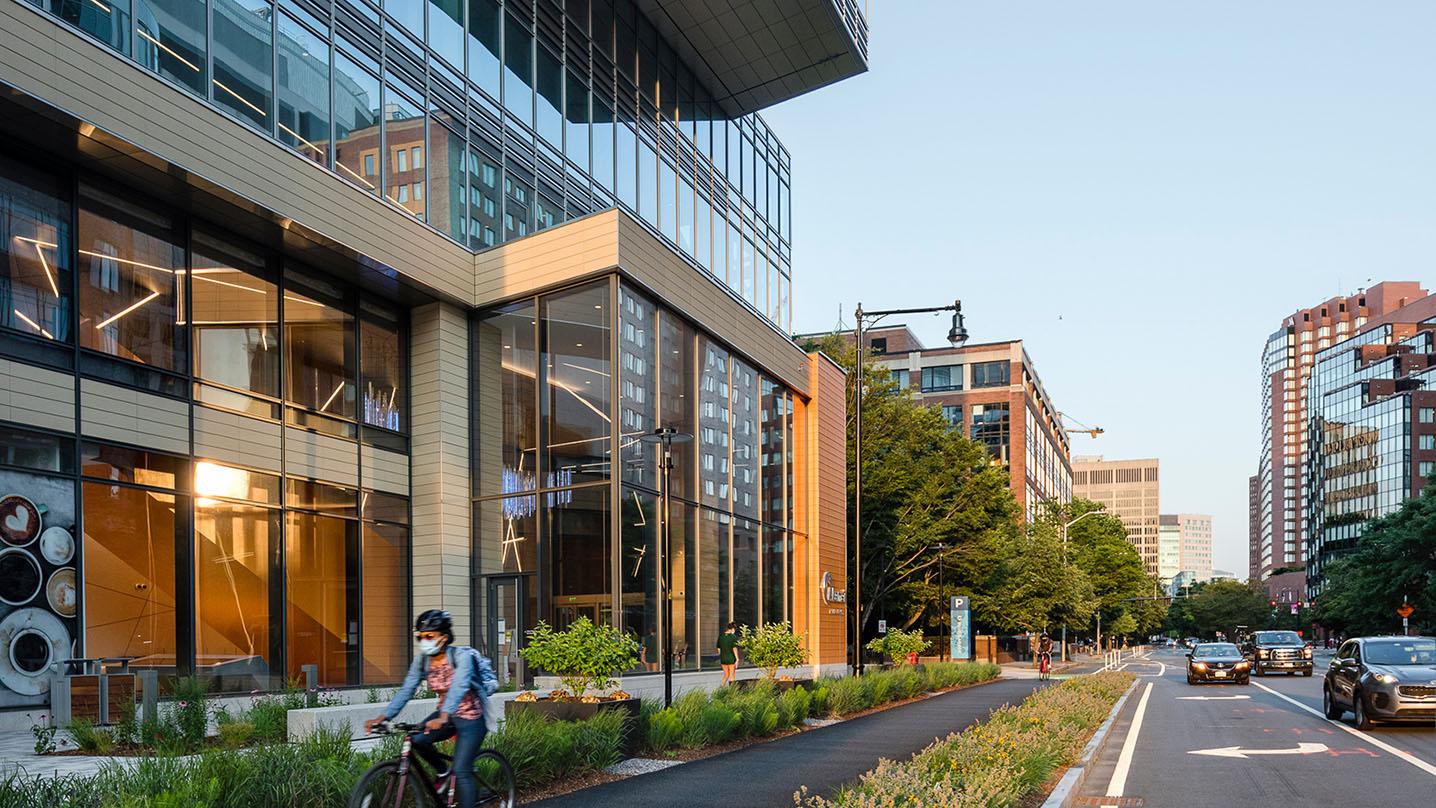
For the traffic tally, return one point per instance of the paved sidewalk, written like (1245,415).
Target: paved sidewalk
(767,774)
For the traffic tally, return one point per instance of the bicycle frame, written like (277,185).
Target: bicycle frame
(406,765)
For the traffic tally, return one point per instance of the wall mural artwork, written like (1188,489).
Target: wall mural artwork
(39,589)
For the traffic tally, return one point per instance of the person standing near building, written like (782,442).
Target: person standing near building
(728,652)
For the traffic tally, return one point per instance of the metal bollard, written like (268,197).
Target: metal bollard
(311,684)
(150,695)
(60,714)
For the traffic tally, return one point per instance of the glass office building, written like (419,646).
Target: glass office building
(316,313)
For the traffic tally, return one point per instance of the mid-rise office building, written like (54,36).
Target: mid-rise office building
(1131,490)
(1185,545)
(315,312)
(1372,430)
(991,392)
(1286,367)
(1169,549)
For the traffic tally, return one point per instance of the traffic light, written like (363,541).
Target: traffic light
(1273,604)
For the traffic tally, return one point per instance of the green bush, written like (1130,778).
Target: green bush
(595,742)
(848,695)
(897,644)
(234,734)
(584,655)
(664,731)
(818,704)
(189,711)
(269,715)
(718,723)
(773,646)
(689,710)
(793,707)
(534,744)
(89,738)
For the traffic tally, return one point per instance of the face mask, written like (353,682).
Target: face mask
(429,647)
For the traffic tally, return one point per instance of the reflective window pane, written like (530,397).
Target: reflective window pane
(640,520)
(668,202)
(505,401)
(303,110)
(713,424)
(34,252)
(484,26)
(776,553)
(575,396)
(330,499)
(550,98)
(408,13)
(507,534)
(518,71)
(319,348)
(446,30)
(130,289)
(404,124)
(685,217)
(243,60)
(745,439)
(677,397)
(714,579)
(234,546)
(518,204)
(647,183)
(603,144)
(170,40)
(321,591)
(773,422)
(582,555)
(105,20)
(385,564)
(446,198)
(236,318)
(485,202)
(746,611)
(130,585)
(356,123)
(382,374)
(576,123)
(125,465)
(627,167)
(638,387)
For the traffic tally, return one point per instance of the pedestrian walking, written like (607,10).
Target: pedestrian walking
(728,652)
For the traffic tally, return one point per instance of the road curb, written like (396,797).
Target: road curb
(1076,776)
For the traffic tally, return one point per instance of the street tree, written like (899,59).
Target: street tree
(1394,559)
(1033,589)
(1221,606)
(1098,545)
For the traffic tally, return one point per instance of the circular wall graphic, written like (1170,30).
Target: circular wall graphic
(57,545)
(20,576)
(61,592)
(19,520)
(32,642)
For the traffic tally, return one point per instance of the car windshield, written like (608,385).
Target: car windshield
(1219,650)
(1278,638)
(1401,652)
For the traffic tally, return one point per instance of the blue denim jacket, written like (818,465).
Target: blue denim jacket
(462,682)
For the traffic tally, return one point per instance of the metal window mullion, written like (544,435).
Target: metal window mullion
(615,462)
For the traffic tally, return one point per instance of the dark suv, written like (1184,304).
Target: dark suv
(1278,651)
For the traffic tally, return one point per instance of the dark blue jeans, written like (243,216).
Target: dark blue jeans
(469,734)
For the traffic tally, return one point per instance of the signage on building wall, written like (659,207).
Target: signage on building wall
(832,596)
(961,636)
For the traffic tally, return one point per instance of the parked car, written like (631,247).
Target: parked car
(1217,662)
(1278,651)
(1382,679)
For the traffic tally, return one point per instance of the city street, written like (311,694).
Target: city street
(1266,743)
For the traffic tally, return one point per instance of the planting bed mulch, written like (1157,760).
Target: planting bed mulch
(690,755)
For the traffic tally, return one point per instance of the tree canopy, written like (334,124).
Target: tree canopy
(1395,558)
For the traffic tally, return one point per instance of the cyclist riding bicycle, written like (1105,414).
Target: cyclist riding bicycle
(463,679)
(1044,654)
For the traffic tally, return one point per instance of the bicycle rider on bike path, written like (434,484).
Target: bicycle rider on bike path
(450,671)
(1044,648)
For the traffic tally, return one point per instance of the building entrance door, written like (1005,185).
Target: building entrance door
(568,608)
(506,599)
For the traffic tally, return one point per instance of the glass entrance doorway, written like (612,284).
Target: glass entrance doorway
(507,620)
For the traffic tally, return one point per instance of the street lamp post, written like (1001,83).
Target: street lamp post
(957,335)
(666,436)
(1066,525)
(942,597)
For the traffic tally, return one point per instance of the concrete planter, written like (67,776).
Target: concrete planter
(573,710)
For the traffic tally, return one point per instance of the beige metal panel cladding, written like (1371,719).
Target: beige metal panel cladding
(439,448)
(37,396)
(384,470)
(114,413)
(233,438)
(559,255)
(310,454)
(47,60)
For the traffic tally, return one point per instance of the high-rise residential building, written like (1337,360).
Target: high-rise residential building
(1286,366)
(1196,545)
(1169,549)
(1131,491)
(1253,529)
(991,392)
(316,312)
(1372,429)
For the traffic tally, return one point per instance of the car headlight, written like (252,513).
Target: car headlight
(1200,666)
(1386,678)
(1263,653)
(1306,652)
(1242,666)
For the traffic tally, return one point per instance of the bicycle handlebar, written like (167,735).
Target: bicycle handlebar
(396,728)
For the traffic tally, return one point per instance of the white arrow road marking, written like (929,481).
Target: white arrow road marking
(1238,752)
(1379,744)
(1211,698)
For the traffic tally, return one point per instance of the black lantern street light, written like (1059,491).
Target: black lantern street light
(942,595)
(666,436)
(956,335)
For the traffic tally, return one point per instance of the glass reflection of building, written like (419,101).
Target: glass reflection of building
(561,388)
(1368,396)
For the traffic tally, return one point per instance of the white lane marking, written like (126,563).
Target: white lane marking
(1211,698)
(1382,745)
(1118,784)
(1238,752)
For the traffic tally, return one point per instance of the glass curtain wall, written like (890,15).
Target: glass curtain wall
(551,409)
(589,97)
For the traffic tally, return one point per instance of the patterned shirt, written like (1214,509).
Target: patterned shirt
(440,679)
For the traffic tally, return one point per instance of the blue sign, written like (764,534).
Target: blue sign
(961,637)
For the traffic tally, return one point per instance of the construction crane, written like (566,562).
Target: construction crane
(1093,431)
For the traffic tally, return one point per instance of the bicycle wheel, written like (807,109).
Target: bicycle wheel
(496,780)
(381,787)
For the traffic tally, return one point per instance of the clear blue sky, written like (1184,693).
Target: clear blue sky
(1141,190)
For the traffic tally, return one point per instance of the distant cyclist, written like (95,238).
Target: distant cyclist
(463,679)
(1044,655)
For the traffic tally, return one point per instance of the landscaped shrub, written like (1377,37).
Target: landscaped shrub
(848,695)
(773,646)
(534,745)
(689,709)
(596,741)
(269,716)
(190,712)
(89,738)
(998,763)
(664,731)
(897,645)
(584,655)
(719,722)
(234,734)
(818,704)
(793,707)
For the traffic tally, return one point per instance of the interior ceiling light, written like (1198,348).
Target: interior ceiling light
(125,311)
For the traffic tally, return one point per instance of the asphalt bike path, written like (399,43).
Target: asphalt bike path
(767,774)
(1177,745)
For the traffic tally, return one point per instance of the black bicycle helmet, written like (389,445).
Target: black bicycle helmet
(435,620)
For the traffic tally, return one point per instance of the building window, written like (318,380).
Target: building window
(236,326)
(1426,468)
(382,372)
(575,389)
(991,374)
(952,414)
(943,378)
(1428,415)
(384,550)
(35,248)
(880,345)
(1427,442)
(319,346)
(991,425)
(898,378)
(321,594)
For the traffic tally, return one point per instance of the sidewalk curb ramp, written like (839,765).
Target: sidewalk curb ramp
(1076,777)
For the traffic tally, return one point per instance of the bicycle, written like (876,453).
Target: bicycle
(400,783)
(1044,665)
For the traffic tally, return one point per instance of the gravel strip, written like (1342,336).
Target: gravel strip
(636,766)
